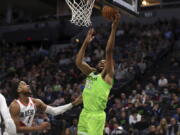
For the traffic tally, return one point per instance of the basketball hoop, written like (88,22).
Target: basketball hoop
(81,11)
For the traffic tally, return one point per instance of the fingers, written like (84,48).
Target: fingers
(116,20)
(117,17)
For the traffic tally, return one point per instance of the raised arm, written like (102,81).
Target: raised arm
(109,68)
(83,66)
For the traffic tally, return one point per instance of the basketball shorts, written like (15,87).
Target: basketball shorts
(91,123)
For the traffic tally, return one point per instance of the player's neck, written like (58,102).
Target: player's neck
(24,100)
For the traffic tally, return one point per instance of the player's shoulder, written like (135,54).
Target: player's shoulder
(39,104)
(36,101)
(92,73)
(14,103)
(14,106)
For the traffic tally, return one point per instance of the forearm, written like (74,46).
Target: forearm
(111,41)
(25,129)
(58,110)
(81,53)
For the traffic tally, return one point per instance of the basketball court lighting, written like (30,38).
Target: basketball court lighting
(77,40)
(144,3)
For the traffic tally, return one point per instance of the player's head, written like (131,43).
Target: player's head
(20,88)
(23,88)
(100,66)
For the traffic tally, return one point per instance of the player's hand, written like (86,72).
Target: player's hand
(77,101)
(116,21)
(90,35)
(44,126)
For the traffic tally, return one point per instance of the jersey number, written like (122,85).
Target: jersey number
(29,120)
(89,84)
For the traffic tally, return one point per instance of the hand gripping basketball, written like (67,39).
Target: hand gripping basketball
(116,21)
(109,12)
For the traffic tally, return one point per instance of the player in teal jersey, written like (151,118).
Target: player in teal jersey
(99,81)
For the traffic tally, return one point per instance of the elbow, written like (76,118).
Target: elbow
(78,62)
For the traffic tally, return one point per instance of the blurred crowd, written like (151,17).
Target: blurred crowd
(151,108)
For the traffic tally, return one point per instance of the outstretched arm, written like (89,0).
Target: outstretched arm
(9,123)
(56,110)
(109,68)
(83,66)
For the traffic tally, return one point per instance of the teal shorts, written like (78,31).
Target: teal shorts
(91,123)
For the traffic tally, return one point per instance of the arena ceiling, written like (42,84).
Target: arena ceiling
(35,7)
(46,7)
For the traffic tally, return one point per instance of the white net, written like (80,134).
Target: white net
(81,11)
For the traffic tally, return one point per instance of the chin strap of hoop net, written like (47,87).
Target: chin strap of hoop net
(81,12)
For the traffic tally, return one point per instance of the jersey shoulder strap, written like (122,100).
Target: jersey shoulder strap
(92,74)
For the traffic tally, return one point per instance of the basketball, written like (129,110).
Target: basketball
(109,12)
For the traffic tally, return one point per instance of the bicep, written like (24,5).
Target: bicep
(85,68)
(40,105)
(15,112)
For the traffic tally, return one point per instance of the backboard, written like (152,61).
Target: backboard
(130,7)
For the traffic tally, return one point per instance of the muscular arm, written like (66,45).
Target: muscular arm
(109,69)
(15,113)
(83,66)
(9,123)
(109,54)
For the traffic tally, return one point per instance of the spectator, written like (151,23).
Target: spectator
(151,130)
(123,99)
(163,127)
(118,130)
(173,127)
(175,102)
(73,129)
(162,82)
(123,120)
(150,89)
(134,117)
(107,129)
(177,115)
(99,53)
